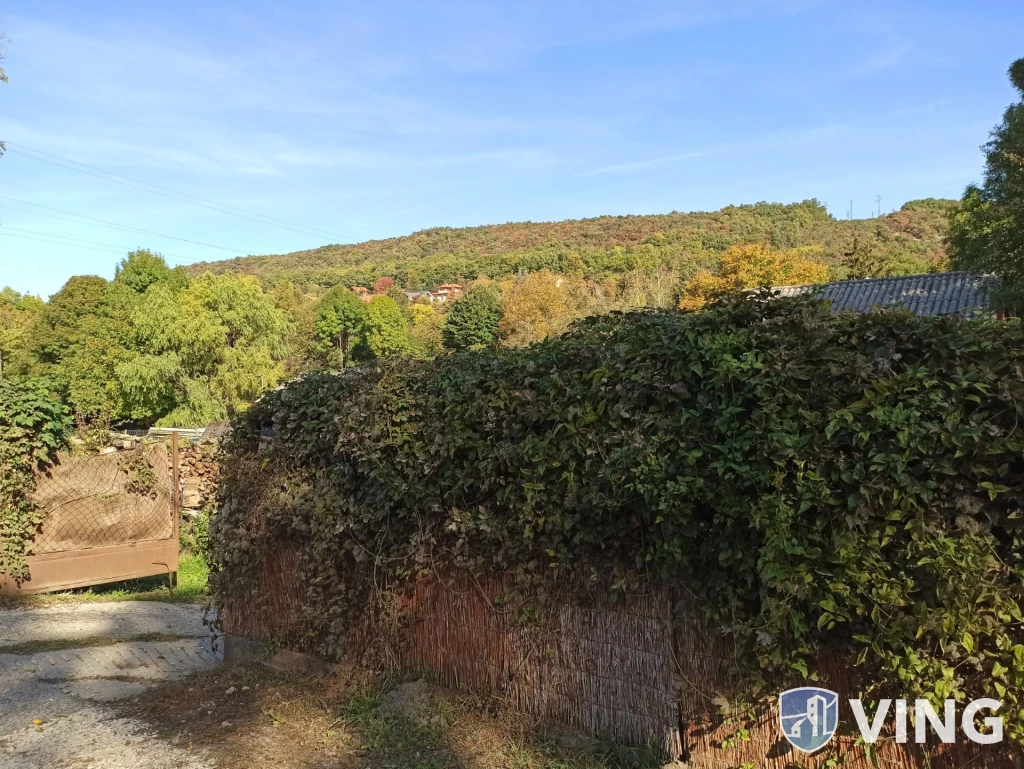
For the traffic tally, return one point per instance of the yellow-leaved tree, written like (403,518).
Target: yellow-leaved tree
(537,306)
(752,266)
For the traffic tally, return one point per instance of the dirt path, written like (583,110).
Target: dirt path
(61,665)
(138,685)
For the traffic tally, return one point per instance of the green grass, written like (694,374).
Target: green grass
(190,588)
(60,644)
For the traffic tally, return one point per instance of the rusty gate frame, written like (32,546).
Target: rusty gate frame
(85,567)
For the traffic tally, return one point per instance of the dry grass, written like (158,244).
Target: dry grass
(353,720)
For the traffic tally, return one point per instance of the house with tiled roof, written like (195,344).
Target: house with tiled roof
(943,293)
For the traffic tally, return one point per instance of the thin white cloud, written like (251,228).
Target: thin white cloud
(767,141)
(762,142)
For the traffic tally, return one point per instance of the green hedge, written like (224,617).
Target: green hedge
(34,425)
(846,483)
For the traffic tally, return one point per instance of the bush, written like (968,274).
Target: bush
(34,425)
(822,483)
(194,534)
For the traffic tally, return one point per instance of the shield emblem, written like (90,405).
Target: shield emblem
(808,717)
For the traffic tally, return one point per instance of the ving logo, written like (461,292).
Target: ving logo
(808,717)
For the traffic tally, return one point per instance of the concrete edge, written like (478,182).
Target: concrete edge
(242,649)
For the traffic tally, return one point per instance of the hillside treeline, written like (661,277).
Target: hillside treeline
(185,347)
(905,242)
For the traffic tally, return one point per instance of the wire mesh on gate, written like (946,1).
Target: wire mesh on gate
(102,500)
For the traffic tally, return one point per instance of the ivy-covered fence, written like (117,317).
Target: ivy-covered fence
(34,426)
(825,488)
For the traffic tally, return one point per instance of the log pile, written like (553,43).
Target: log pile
(200,472)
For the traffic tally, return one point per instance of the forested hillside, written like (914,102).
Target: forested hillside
(904,242)
(189,346)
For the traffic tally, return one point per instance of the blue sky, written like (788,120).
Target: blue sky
(369,120)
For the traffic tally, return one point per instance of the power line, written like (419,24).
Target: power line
(223,208)
(83,240)
(114,225)
(58,243)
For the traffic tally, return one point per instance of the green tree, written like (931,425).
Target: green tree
(18,313)
(986,234)
(472,321)
(876,258)
(340,319)
(301,310)
(202,353)
(79,339)
(142,268)
(386,331)
(59,325)
(402,301)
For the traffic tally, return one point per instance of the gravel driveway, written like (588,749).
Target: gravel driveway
(74,658)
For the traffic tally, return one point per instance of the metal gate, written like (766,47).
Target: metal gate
(107,518)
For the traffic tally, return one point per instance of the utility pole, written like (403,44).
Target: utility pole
(878,200)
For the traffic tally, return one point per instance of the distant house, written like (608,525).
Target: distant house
(417,295)
(943,293)
(441,294)
(363,293)
(447,291)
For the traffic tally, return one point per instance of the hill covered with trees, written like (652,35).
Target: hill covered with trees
(188,346)
(904,242)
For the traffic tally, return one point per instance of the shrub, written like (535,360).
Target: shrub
(821,483)
(34,425)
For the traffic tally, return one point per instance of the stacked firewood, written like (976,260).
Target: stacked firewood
(200,472)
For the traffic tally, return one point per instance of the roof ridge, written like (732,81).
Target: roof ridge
(934,275)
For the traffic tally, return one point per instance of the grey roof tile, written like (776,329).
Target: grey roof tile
(944,293)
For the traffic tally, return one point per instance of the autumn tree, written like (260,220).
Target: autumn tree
(473,320)
(340,317)
(986,234)
(386,332)
(424,330)
(536,306)
(648,285)
(752,266)
(383,285)
(573,265)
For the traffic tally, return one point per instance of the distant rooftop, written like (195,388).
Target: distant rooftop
(943,293)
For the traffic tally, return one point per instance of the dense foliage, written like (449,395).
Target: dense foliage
(846,483)
(340,319)
(987,233)
(472,323)
(752,266)
(168,346)
(17,314)
(608,246)
(34,425)
(151,346)
(386,331)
